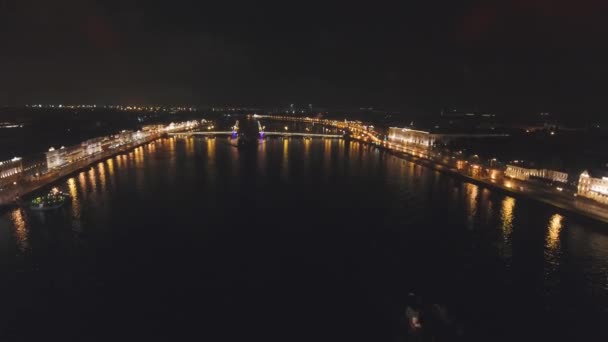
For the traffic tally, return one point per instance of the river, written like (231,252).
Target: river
(317,239)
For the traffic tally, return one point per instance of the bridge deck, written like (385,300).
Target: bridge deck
(315,135)
(204,133)
(266,134)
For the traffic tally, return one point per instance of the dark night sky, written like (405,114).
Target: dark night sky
(519,55)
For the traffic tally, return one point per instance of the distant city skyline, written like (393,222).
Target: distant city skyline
(520,56)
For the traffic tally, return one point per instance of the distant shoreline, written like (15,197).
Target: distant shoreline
(558,204)
(8,199)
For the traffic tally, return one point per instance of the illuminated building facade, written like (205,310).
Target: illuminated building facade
(64,155)
(593,188)
(524,174)
(55,158)
(518,172)
(10,170)
(92,146)
(408,136)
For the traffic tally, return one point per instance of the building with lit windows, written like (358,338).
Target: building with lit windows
(524,174)
(55,157)
(428,139)
(65,155)
(34,166)
(92,146)
(10,170)
(595,188)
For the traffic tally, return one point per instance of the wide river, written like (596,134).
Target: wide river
(295,240)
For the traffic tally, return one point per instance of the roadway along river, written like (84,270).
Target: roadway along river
(297,240)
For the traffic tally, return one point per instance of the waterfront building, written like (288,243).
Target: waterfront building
(153,128)
(408,136)
(34,166)
(524,174)
(124,137)
(59,157)
(92,146)
(55,157)
(10,170)
(518,172)
(550,175)
(428,139)
(595,188)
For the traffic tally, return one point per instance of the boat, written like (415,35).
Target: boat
(55,199)
(430,321)
(413,312)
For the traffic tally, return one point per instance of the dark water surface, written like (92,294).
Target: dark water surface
(298,240)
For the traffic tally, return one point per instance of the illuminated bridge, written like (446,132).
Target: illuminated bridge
(293,134)
(262,133)
(187,134)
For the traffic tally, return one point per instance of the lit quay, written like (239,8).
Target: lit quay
(21,176)
(588,198)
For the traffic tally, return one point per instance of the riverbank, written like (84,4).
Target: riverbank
(566,203)
(8,197)
(578,206)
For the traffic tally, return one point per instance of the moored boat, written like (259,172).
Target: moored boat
(53,200)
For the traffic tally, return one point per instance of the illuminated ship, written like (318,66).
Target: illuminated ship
(53,200)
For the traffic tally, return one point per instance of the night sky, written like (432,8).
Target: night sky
(509,56)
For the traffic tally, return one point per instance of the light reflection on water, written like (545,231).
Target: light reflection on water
(553,231)
(20,229)
(553,252)
(102,176)
(507,217)
(82,180)
(110,163)
(285,160)
(75,203)
(189,147)
(307,156)
(328,158)
(139,156)
(409,184)
(472,191)
(92,180)
(210,150)
(261,162)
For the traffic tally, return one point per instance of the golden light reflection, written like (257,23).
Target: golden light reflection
(211,149)
(262,156)
(507,215)
(82,180)
(110,163)
(234,160)
(92,180)
(21,230)
(327,156)
(285,160)
(172,143)
(102,175)
(486,205)
(307,156)
(190,146)
(554,229)
(307,143)
(472,191)
(342,143)
(139,156)
(73,190)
